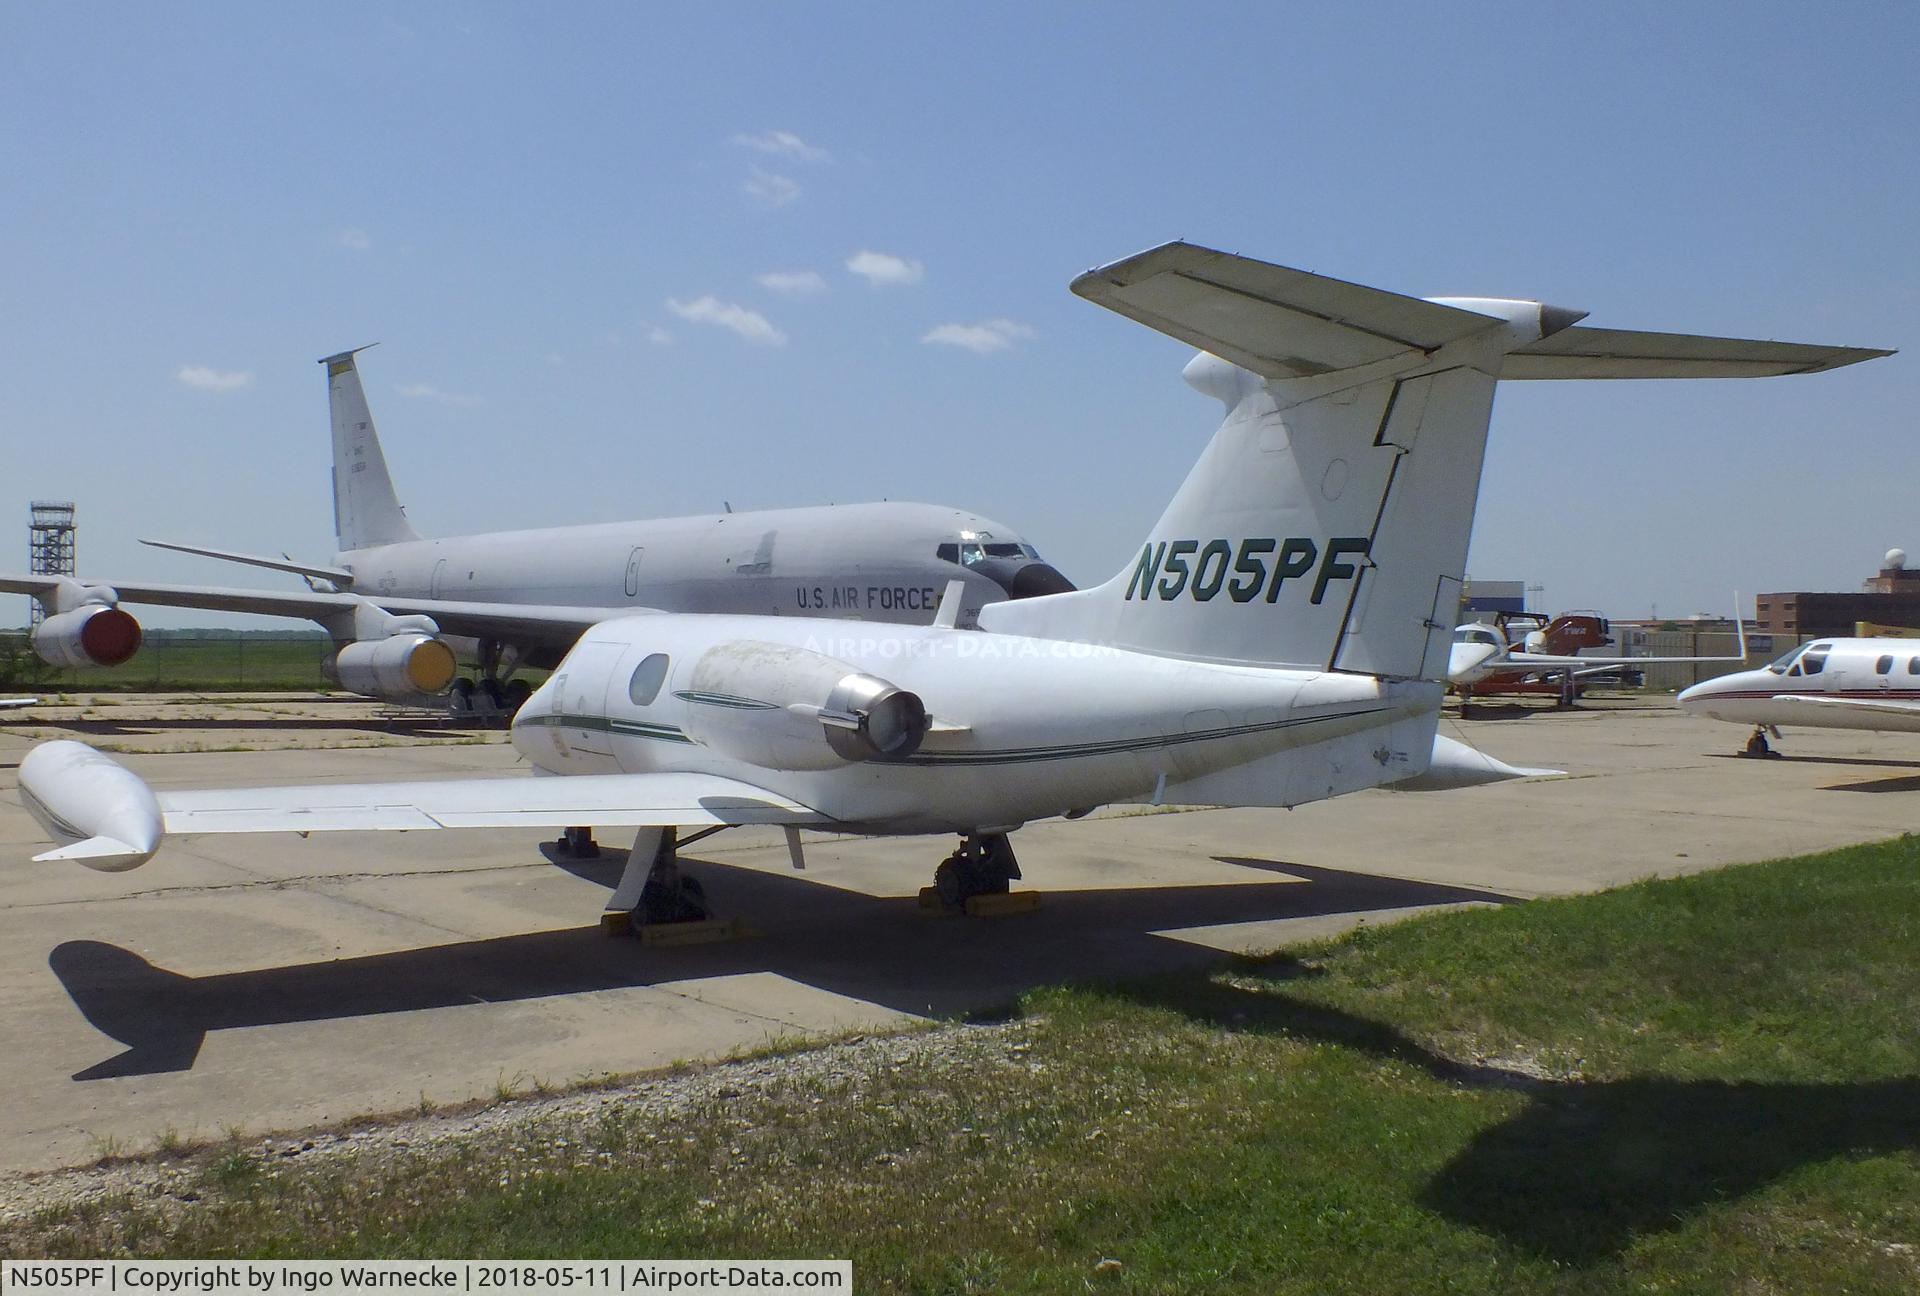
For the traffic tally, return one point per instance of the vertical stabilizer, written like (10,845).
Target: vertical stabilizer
(365,511)
(1326,524)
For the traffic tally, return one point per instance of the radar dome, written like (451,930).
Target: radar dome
(1896,559)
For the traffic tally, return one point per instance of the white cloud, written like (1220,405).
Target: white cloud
(749,324)
(354,240)
(427,391)
(879,268)
(769,189)
(981,339)
(794,283)
(658,336)
(783,144)
(201,378)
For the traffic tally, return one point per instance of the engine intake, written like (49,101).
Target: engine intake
(866,717)
(404,668)
(93,634)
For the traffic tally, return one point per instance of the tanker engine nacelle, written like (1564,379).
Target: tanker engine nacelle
(788,708)
(405,668)
(93,634)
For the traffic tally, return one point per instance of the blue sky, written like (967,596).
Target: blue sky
(560,223)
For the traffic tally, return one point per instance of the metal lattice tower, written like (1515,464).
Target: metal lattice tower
(49,543)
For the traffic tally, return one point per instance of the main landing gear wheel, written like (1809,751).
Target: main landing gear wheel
(983,865)
(460,700)
(579,843)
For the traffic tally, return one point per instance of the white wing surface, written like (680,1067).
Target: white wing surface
(604,800)
(107,818)
(531,622)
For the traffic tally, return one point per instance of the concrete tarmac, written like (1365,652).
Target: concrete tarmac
(269,983)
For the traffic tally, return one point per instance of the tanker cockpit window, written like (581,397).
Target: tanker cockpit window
(971,553)
(648,676)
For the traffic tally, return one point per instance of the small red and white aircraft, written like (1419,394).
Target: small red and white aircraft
(1826,684)
(1481,651)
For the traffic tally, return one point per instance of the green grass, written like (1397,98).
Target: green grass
(192,665)
(1699,1085)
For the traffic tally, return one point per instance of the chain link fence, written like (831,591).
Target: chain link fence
(168,663)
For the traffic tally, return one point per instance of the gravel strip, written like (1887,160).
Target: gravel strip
(169,1182)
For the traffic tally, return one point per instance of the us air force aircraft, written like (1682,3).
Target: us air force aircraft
(1827,684)
(1280,636)
(390,599)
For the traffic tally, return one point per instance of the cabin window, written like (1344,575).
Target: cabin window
(1795,669)
(1913,665)
(1814,663)
(1884,665)
(648,676)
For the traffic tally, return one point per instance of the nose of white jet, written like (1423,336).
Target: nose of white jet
(1700,698)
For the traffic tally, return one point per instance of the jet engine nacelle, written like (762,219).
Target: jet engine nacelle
(788,708)
(403,668)
(93,634)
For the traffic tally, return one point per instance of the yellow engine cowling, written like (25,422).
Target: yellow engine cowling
(404,668)
(787,708)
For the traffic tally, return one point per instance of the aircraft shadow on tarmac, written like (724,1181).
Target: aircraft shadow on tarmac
(1589,1166)
(880,950)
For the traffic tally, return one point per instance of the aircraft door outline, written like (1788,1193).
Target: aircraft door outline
(633,571)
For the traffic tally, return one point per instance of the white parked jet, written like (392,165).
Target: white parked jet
(1827,684)
(523,597)
(9,704)
(1280,637)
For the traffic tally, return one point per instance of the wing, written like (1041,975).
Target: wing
(1282,323)
(524,622)
(605,800)
(1876,706)
(108,819)
(1548,660)
(1582,352)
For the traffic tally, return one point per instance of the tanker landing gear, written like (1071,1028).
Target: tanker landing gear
(1757,745)
(497,691)
(984,865)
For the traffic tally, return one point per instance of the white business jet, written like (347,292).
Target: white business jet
(1280,637)
(391,600)
(11,704)
(1826,684)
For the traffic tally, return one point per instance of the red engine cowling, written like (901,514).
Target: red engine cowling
(404,668)
(91,635)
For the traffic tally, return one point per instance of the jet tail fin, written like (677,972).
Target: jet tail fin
(365,510)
